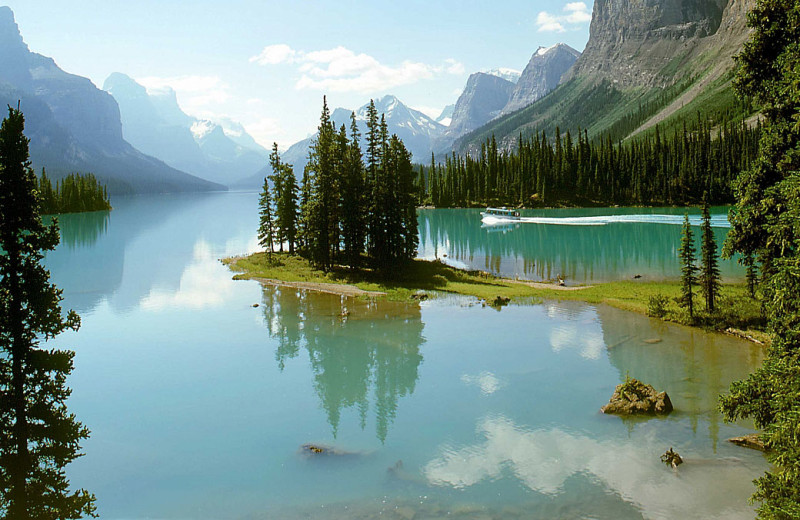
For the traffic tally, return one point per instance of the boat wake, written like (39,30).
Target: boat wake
(719,221)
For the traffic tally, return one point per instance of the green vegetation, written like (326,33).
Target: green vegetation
(765,228)
(75,193)
(350,212)
(688,268)
(657,169)
(734,309)
(266,229)
(40,437)
(709,268)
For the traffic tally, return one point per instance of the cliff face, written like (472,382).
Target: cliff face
(641,42)
(482,100)
(542,74)
(73,125)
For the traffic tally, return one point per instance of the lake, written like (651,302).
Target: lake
(200,403)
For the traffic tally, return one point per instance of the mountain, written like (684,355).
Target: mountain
(447,115)
(417,131)
(646,62)
(154,123)
(482,100)
(542,74)
(505,73)
(74,126)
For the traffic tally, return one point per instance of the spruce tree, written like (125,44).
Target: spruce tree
(266,228)
(709,268)
(40,437)
(764,225)
(688,268)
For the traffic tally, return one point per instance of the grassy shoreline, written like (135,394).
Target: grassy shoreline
(736,310)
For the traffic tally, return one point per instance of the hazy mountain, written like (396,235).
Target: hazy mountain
(653,61)
(154,123)
(73,125)
(482,100)
(417,131)
(447,115)
(542,74)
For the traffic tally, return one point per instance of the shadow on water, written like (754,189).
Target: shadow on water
(581,254)
(363,354)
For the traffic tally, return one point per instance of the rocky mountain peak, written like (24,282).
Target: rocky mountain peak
(482,100)
(542,74)
(10,37)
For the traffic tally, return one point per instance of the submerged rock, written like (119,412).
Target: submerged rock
(420,295)
(321,450)
(499,301)
(670,458)
(634,397)
(752,441)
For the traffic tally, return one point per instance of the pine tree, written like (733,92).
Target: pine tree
(709,268)
(266,228)
(764,225)
(688,268)
(39,435)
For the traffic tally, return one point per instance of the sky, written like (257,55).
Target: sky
(268,64)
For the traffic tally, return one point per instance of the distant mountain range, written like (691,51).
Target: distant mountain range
(75,127)
(417,131)
(154,123)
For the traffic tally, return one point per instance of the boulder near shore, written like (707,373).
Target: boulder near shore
(636,398)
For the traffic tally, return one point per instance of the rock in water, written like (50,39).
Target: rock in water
(670,458)
(636,398)
(752,441)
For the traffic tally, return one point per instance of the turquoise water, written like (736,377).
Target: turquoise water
(595,245)
(199,403)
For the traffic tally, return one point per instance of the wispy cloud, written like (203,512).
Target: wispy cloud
(342,70)
(573,14)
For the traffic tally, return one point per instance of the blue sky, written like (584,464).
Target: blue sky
(268,64)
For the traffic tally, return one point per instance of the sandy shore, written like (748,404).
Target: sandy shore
(330,288)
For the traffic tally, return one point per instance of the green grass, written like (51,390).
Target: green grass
(735,308)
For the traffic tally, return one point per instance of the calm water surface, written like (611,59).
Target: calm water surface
(628,242)
(199,403)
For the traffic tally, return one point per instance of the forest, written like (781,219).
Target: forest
(75,193)
(574,170)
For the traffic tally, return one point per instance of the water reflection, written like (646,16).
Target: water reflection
(543,252)
(82,229)
(355,348)
(544,460)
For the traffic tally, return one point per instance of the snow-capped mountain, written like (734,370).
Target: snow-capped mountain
(507,74)
(417,131)
(447,115)
(153,122)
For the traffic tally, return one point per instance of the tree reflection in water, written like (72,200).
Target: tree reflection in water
(356,364)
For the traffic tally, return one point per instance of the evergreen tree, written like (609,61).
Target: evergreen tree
(709,268)
(39,435)
(285,189)
(266,229)
(688,268)
(765,227)
(354,225)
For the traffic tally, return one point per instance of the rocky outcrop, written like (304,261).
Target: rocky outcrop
(636,398)
(643,42)
(542,74)
(752,441)
(73,125)
(483,99)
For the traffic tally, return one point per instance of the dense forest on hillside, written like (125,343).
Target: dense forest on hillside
(572,169)
(75,193)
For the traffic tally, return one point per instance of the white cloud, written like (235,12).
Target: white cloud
(341,70)
(265,131)
(274,54)
(199,96)
(575,13)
